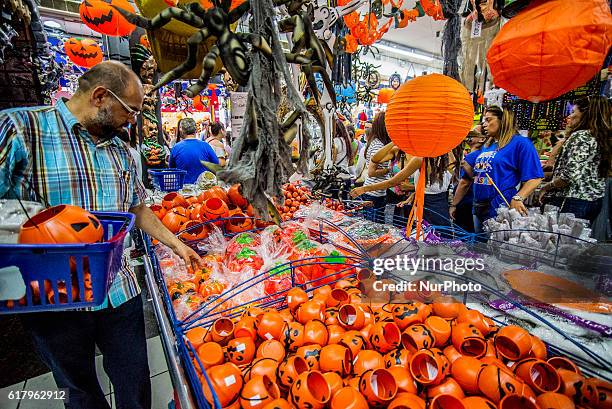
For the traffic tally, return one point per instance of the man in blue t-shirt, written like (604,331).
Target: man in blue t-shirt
(190,152)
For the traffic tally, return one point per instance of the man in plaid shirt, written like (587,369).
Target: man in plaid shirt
(71,154)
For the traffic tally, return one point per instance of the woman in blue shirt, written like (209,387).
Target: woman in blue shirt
(499,167)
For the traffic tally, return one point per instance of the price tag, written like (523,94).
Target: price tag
(476,29)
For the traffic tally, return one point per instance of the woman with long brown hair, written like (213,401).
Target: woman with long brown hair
(579,176)
(343,156)
(507,160)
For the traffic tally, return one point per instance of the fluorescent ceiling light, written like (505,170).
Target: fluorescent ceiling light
(402,51)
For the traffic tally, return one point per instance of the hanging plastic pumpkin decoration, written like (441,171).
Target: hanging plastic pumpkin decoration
(551,48)
(417,104)
(351,44)
(102,18)
(61,224)
(83,52)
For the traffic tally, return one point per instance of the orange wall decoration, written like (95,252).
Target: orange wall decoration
(428,117)
(551,48)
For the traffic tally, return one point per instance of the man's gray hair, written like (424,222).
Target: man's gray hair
(187,126)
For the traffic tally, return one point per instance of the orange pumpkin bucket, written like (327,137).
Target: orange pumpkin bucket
(236,197)
(334,381)
(351,317)
(222,330)
(336,332)
(336,358)
(517,402)
(559,362)
(172,200)
(416,337)
(278,404)
(310,310)
(539,375)
(238,223)
(553,400)
(405,315)
(214,208)
(337,297)
(348,398)
(290,369)
(385,337)
(405,400)
(311,353)
(194,230)
(245,327)
(293,338)
(495,383)
(296,297)
(429,366)
(271,348)
(403,379)
(447,402)
(476,402)
(398,357)
(271,325)
(468,340)
(261,367)
(451,354)
(210,354)
(315,332)
(310,390)
(378,387)
(513,342)
(259,391)
(449,386)
(226,381)
(440,328)
(240,351)
(466,370)
(367,360)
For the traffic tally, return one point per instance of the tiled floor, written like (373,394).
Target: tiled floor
(161,385)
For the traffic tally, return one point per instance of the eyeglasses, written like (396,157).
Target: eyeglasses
(131,112)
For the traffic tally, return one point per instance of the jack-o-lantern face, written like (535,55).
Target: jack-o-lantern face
(61,224)
(83,52)
(101,17)
(144,41)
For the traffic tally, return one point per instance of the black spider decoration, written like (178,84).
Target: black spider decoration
(214,22)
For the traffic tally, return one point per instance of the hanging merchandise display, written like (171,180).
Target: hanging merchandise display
(551,48)
(413,108)
(83,52)
(102,17)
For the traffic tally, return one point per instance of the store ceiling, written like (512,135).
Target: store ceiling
(424,34)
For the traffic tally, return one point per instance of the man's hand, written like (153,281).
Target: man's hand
(519,206)
(358,191)
(190,257)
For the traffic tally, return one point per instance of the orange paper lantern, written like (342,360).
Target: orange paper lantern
(429,115)
(384,95)
(551,48)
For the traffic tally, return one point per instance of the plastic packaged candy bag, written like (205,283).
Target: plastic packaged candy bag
(215,243)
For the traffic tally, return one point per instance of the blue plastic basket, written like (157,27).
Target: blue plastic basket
(50,266)
(168,180)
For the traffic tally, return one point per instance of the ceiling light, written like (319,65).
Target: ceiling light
(402,51)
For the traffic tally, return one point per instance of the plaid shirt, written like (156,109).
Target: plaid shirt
(49,148)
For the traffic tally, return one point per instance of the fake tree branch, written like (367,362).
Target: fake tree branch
(261,158)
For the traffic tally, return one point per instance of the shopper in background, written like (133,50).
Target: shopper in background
(342,157)
(216,139)
(378,138)
(189,153)
(70,153)
(579,176)
(461,212)
(439,174)
(507,160)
